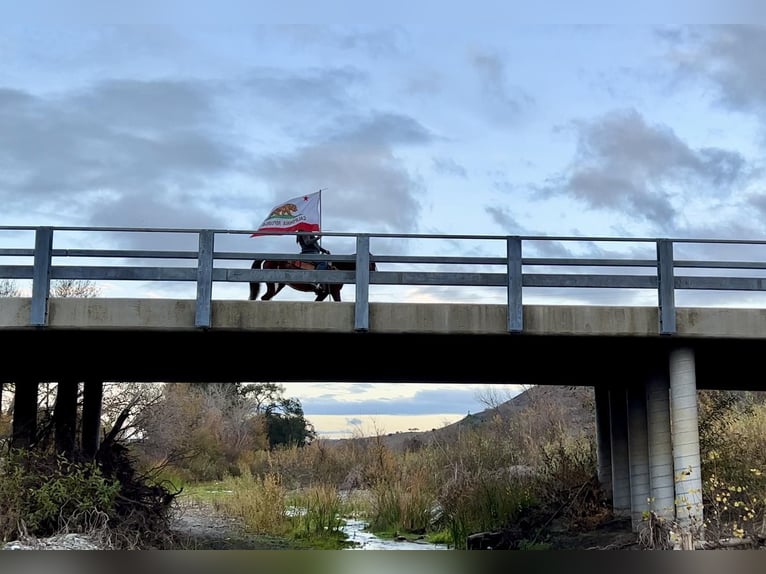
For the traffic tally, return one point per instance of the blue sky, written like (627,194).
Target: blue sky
(422,117)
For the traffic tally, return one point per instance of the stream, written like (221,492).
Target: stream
(354,528)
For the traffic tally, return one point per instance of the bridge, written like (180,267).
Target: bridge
(645,321)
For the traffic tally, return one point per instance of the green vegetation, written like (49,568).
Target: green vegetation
(49,493)
(515,477)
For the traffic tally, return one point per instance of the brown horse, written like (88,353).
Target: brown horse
(321,294)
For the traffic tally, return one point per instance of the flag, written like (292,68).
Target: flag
(298,214)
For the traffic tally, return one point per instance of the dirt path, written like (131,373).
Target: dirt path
(197,526)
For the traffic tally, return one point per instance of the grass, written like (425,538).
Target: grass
(206,491)
(262,504)
(502,476)
(308,518)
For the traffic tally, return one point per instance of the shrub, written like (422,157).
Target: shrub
(43,494)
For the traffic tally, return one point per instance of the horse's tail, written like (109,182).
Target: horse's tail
(255,286)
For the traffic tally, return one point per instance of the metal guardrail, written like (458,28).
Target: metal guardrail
(663,273)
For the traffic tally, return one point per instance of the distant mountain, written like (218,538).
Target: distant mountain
(571,406)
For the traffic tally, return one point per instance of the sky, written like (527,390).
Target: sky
(496,118)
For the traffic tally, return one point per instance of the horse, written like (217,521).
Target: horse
(272,289)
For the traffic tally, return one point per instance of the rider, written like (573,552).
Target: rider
(310,244)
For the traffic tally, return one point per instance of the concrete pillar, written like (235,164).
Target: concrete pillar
(604,440)
(639,455)
(92,395)
(24,431)
(65,417)
(685,436)
(663,491)
(620,453)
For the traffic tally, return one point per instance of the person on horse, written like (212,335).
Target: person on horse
(310,245)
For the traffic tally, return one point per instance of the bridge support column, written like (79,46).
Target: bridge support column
(603,441)
(24,430)
(639,455)
(685,436)
(620,453)
(65,417)
(93,392)
(660,447)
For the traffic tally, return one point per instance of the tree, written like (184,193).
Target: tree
(228,393)
(285,421)
(263,394)
(211,429)
(9,288)
(81,288)
(286,424)
(204,430)
(122,402)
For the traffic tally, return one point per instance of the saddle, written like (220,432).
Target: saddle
(305,265)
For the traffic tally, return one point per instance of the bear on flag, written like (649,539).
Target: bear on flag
(297,214)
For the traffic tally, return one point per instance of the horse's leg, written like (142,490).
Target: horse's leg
(334,290)
(255,287)
(270,292)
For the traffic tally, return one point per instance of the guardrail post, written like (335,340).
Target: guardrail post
(204,279)
(41,276)
(666,287)
(362,304)
(515,305)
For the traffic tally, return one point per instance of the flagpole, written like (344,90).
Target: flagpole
(320,217)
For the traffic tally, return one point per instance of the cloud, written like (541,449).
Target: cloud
(366,183)
(502,217)
(377,43)
(427,401)
(503,102)
(448,166)
(729,57)
(126,152)
(310,93)
(119,142)
(623,164)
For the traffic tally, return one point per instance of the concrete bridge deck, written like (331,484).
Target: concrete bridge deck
(157,340)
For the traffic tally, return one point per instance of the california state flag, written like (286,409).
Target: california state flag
(298,214)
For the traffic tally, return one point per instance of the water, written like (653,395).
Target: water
(354,528)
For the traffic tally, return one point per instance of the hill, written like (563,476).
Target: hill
(571,407)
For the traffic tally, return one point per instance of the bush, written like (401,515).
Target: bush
(41,494)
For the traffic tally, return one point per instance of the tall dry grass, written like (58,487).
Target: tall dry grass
(260,501)
(320,512)
(301,467)
(477,478)
(734,470)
